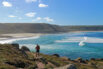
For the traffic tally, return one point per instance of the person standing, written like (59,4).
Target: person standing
(37,50)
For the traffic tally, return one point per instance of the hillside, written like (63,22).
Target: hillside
(43,28)
(84,28)
(29,28)
(11,57)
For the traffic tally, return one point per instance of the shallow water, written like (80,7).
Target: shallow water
(68,44)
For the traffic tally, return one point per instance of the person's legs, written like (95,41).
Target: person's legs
(38,53)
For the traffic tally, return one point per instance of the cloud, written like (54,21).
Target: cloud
(30,14)
(11,16)
(48,19)
(38,18)
(28,1)
(42,19)
(6,4)
(43,5)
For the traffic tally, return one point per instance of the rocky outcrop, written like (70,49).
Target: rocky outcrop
(19,64)
(80,60)
(65,58)
(15,45)
(24,48)
(57,55)
(11,57)
(92,59)
(71,66)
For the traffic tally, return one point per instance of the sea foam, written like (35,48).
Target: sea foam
(6,41)
(82,43)
(79,39)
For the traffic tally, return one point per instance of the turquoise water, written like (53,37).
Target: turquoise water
(68,44)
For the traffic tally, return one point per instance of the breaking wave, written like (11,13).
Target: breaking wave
(82,43)
(81,39)
(16,39)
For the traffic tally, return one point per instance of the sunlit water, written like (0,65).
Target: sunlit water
(68,44)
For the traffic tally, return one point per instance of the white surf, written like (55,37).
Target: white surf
(82,43)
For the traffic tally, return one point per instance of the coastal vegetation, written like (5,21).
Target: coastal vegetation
(6,28)
(13,57)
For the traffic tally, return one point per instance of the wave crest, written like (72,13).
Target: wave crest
(15,39)
(79,39)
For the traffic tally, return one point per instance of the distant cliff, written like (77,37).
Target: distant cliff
(29,28)
(43,28)
(83,28)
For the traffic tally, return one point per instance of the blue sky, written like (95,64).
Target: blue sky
(62,12)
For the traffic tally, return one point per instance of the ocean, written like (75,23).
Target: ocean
(72,45)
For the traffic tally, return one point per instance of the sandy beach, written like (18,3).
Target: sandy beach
(9,38)
(21,35)
(26,35)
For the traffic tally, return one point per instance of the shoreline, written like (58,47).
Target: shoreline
(22,36)
(8,38)
(18,36)
(43,61)
(87,31)
(14,35)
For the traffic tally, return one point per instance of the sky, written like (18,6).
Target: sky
(61,12)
